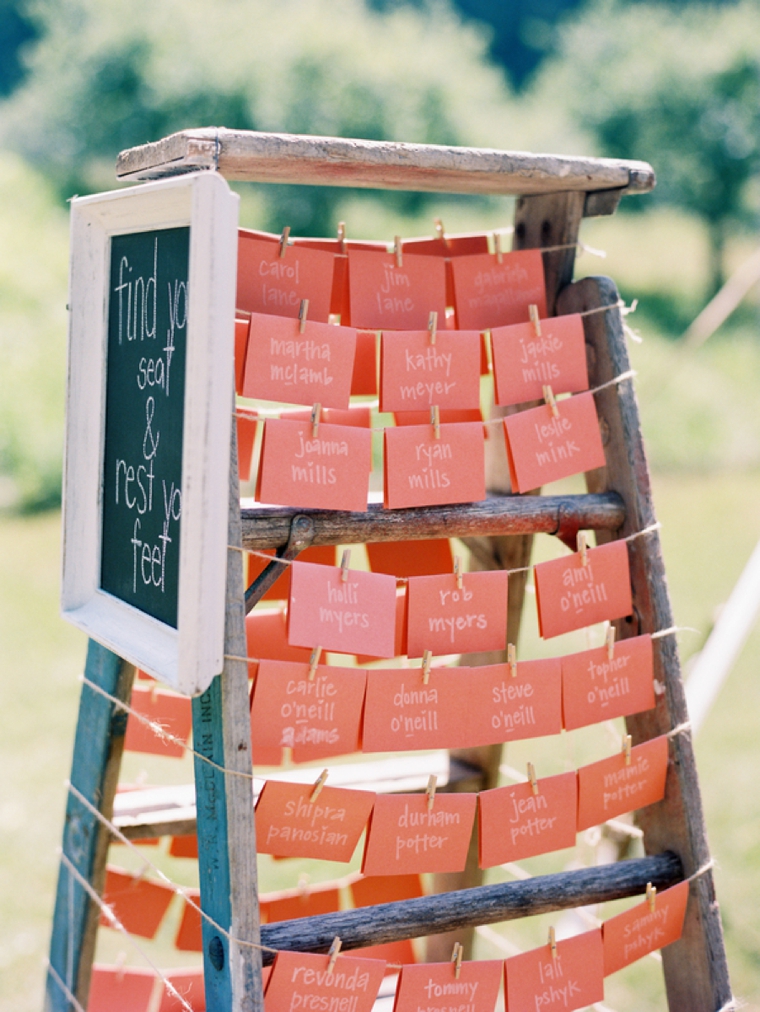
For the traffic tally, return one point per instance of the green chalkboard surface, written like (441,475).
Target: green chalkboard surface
(145,400)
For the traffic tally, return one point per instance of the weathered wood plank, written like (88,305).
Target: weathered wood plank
(338,161)
(696,973)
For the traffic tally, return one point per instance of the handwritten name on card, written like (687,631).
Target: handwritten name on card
(524,362)
(640,930)
(300,982)
(421,470)
(401,712)
(504,708)
(598,687)
(542,448)
(515,823)
(316,716)
(571,595)
(416,374)
(612,787)
(385,295)
(269,283)
(283,364)
(404,837)
(571,980)
(289,824)
(435,987)
(447,619)
(354,616)
(328,471)
(492,294)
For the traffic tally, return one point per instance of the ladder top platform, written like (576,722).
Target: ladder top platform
(337,161)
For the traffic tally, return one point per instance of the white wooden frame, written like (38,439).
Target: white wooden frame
(188,657)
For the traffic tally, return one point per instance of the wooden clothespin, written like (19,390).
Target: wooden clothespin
(532,778)
(439,234)
(550,400)
(651,896)
(345,562)
(535,319)
(318,785)
(435,421)
(303,311)
(342,236)
(497,247)
(284,240)
(316,412)
(553,942)
(609,640)
(313,662)
(627,749)
(304,887)
(456,959)
(432,325)
(427,660)
(334,952)
(458,571)
(430,791)
(119,964)
(582,547)
(397,250)
(512,659)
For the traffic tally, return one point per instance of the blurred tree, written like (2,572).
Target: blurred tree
(16,28)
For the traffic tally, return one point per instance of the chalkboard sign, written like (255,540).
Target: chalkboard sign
(149,414)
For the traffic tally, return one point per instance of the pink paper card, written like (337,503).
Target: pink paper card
(447,415)
(364,380)
(504,708)
(611,787)
(448,620)
(120,988)
(429,986)
(492,294)
(189,933)
(313,367)
(542,448)
(266,633)
(385,296)
(421,470)
(572,980)
(289,824)
(241,350)
(330,471)
(300,982)
(405,838)
(170,711)
(353,616)
(399,643)
(315,716)
(188,982)
(640,930)
(523,362)
(570,595)
(597,687)
(416,374)
(411,558)
(293,903)
(514,823)
(466,244)
(270,283)
(247,423)
(402,713)
(367,892)
(137,902)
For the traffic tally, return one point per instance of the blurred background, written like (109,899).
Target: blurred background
(676,84)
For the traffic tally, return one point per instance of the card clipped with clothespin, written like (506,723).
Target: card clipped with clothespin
(614,786)
(506,707)
(314,465)
(167,709)
(526,357)
(352,616)
(568,975)
(553,441)
(524,820)
(299,361)
(495,289)
(311,820)
(406,836)
(274,277)
(608,682)
(395,291)
(463,614)
(642,929)
(302,980)
(428,986)
(421,368)
(422,469)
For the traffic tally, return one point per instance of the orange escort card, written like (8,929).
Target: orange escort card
(403,713)
(504,708)
(421,470)
(293,903)
(170,711)
(386,296)
(325,555)
(448,620)
(405,836)
(187,982)
(437,987)
(364,380)
(612,787)
(570,595)
(189,936)
(515,823)
(313,367)
(137,902)
(367,892)
(328,471)
(120,989)
(241,350)
(411,558)
(492,294)
(572,979)
(247,423)
(354,616)
(266,634)
(300,982)
(289,824)
(597,687)
(316,716)
(523,361)
(399,642)
(640,930)
(542,448)
(270,283)
(416,374)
